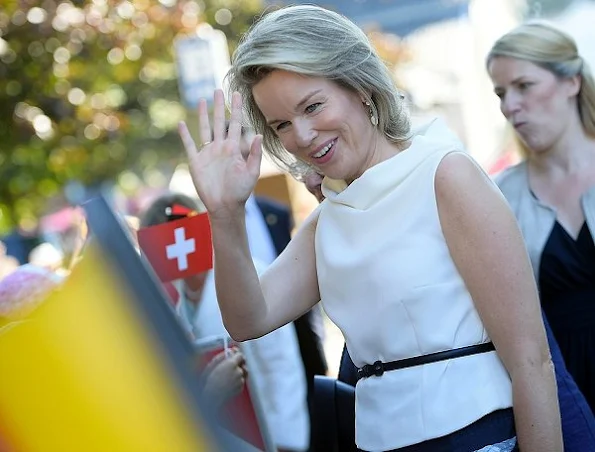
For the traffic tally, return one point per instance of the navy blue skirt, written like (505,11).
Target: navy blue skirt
(491,429)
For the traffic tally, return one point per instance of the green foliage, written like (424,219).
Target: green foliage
(88,90)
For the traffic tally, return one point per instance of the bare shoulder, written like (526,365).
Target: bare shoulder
(458,169)
(461,183)
(471,207)
(478,225)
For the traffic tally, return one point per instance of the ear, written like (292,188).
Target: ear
(573,85)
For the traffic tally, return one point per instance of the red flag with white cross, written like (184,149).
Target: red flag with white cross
(179,248)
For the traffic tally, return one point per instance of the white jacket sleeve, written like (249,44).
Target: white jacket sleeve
(277,370)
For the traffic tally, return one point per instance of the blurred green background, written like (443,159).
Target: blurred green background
(88,94)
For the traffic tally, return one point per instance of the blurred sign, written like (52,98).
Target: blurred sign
(202,61)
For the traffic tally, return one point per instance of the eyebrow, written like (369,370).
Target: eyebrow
(512,82)
(299,105)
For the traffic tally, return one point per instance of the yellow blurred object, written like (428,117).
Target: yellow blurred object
(337,185)
(86,374)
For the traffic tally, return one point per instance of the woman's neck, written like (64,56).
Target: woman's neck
(383,150)
(571,154)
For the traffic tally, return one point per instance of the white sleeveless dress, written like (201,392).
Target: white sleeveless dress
(388,282)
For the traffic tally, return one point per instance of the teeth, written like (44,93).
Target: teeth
(324,150)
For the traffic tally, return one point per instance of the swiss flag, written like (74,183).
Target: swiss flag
(178,249)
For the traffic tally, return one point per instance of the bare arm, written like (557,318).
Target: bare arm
(224,179)
(485,244)
(251,308)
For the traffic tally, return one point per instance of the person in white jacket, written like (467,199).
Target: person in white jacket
(273,360)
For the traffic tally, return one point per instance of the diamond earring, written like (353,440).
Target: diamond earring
(373,118)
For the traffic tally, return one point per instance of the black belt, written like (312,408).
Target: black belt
(378,368)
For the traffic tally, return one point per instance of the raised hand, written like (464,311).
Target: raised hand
(222,177)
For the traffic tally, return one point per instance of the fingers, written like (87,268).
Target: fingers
(241,373)
(204,125)
(237,362)
(255,156)
(219,116)
(219,131)
(244,371)
(313,180)
(235,123)
(236,385)
(238,359)
(214,362)
(225,376)
(187,140)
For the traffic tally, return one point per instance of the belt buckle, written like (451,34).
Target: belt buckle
(376,369)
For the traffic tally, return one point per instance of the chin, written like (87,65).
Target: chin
(530,144)
(536,148)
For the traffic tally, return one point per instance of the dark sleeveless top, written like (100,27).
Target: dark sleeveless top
(567,289)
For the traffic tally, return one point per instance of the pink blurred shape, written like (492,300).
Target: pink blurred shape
(25,289)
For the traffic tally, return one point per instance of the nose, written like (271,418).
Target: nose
(304,133)
(510,104)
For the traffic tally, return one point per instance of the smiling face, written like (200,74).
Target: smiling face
(536,102)
(319,122)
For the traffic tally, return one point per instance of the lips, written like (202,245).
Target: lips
(321,149)
(324,152)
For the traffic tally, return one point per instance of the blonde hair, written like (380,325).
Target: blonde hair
(554,50)
(313,41)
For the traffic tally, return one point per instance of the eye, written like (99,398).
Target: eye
(499,93)
(524,85)
(313,107)
(281,125)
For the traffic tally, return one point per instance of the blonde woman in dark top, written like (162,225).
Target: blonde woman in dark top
(547,94)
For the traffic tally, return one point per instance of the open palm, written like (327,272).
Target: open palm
(222,177)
